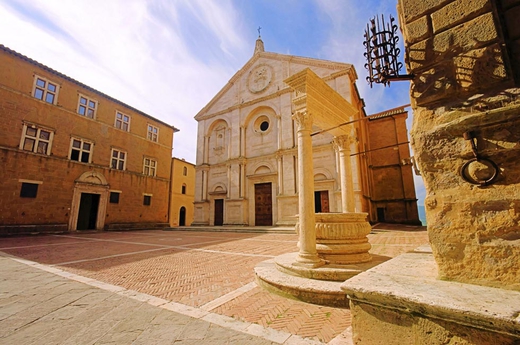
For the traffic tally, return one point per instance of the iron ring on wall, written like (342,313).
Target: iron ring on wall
(486,182)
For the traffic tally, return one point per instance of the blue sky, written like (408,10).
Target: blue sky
(168,58)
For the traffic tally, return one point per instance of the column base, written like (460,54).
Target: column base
(308,260)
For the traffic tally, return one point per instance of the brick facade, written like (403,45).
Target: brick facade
(392,192)
(57,173)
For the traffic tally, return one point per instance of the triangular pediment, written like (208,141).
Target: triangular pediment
(263,77)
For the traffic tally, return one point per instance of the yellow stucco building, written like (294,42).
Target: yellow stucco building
(182,192)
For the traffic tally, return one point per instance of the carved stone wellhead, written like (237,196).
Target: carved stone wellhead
(341,238)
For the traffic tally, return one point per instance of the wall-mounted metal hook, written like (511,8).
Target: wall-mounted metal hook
(490,177)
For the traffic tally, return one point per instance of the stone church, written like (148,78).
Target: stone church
(247,158)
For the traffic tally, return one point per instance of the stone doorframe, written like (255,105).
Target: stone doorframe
(90,182)
(262,178)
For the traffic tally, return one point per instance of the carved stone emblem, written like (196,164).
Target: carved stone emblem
(259,78)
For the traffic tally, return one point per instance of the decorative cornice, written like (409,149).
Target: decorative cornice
(328,108)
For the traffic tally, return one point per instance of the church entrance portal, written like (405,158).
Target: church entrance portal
(263,204)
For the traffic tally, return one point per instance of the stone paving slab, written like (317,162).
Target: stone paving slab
(202,275)
(57,310)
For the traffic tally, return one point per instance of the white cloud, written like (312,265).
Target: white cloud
(131,50)
(168,58)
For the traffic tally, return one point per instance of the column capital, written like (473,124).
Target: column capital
(303,119)
(342,142)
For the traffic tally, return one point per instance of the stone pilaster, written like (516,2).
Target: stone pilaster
(205,172)
(206,150)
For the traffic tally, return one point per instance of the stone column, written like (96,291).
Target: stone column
(307,255)
(280,132)
(229,172)
(342,144)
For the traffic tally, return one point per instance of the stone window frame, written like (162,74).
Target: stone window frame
(26,183)
(185,171)
(150,166)
(89,107)
(122,121)
(113,200)
(120,157)
(37,138)
(152,133)
(147,199)
(42,91)
(81,149)
(258,123)
(183,188)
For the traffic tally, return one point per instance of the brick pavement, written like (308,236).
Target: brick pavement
(209,271)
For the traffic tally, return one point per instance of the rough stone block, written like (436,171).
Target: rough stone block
(479,68)
(433,84)
(403,300)
(413,9)
(470,35)
(419,54)
(457,12)
(417,30)
(473,34)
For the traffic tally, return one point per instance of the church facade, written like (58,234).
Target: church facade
(247,157)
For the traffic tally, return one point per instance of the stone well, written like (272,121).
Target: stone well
(341,238)
(342,246)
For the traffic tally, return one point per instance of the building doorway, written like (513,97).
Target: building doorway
(89,202)
(321,201)
(381,214)
(88,211)
(263,204)
(182,216)
(219,212)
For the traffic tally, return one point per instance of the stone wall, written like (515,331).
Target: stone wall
(464,55)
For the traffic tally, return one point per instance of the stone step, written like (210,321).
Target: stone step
(320,292)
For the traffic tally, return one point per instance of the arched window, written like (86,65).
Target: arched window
(183,190)
(185,171)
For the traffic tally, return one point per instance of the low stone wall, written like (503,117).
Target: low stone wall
(402,302)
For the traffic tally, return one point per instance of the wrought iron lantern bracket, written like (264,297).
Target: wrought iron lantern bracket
(382,52)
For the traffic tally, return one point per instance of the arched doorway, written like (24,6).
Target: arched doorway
(182,216)
(89,202)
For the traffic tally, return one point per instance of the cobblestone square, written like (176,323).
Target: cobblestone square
(201,274)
